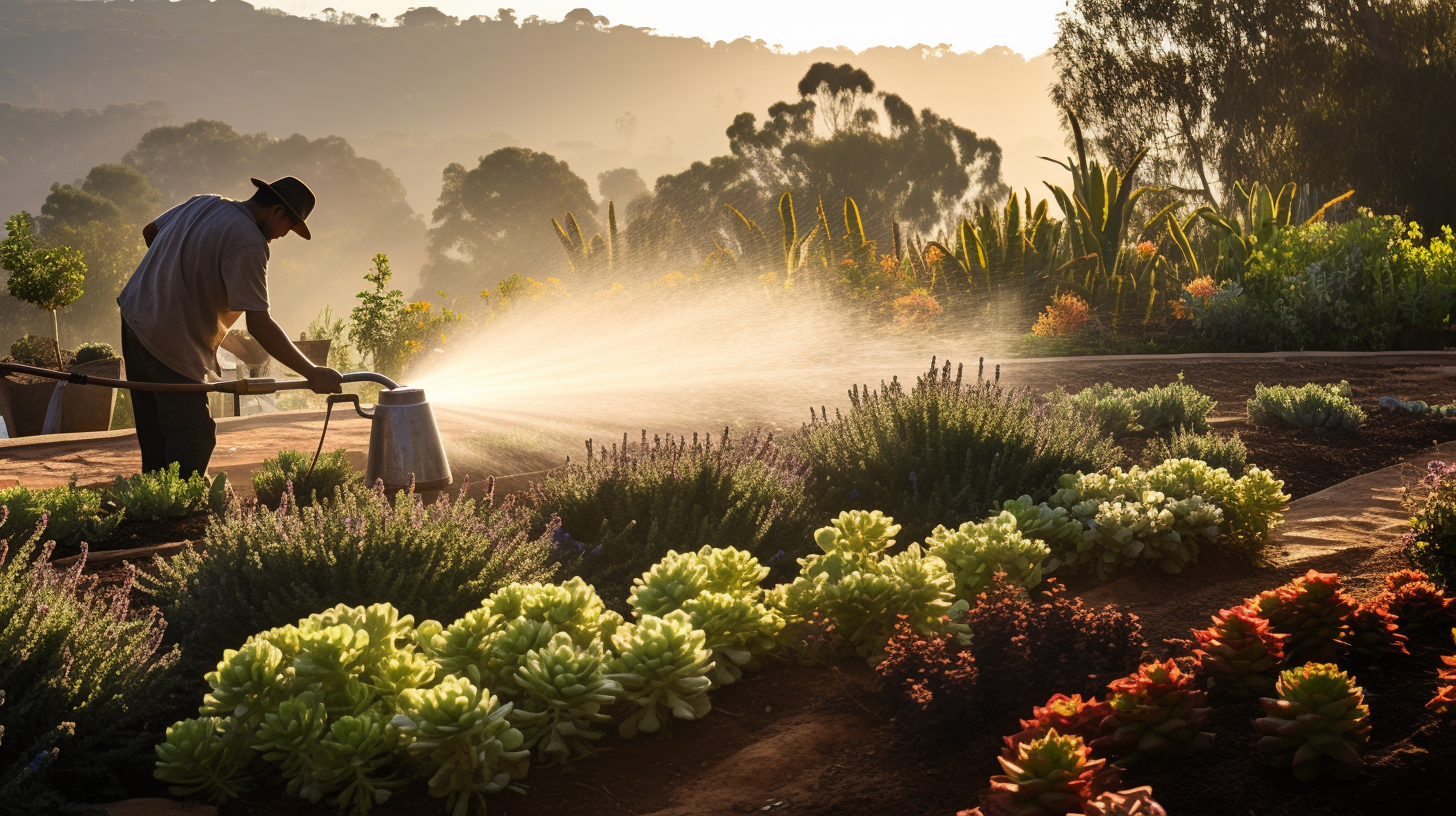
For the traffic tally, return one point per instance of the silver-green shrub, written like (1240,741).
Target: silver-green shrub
(1219,451)
(1307,406)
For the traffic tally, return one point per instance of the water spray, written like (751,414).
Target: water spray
(404,440)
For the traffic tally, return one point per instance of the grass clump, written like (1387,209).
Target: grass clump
(1308,406)
(71,515)
(945,451)
(267,568)
(274,478)
(622,510)
(1219,451)
(76,666)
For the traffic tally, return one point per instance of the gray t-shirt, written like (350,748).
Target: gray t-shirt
(207,265)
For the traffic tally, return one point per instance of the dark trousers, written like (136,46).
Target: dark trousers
(169,427)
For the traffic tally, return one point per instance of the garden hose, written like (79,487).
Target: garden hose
(249,386)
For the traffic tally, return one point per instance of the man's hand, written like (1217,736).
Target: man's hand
(324,380)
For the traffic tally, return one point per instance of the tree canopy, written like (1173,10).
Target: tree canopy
(494,220)
(1333,93)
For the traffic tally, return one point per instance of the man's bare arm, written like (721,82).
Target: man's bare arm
(275,341)
(149,233)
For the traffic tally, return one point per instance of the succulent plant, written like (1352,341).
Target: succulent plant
(572,607)
(1133,802)
(661,662)
(400,672)
(329,657)
(1156,713)
(289,737)
(464,644)
(206,757)
(867,604)
(1414,599)
(1239,653)
(355,761)
(1068,716)
(388,632)
(564,696)
(464,735)
(1443,705)
(248,683)
(975,552)
(1318,724)
(1053,526)
(851,542)
(1399,578)
(1052,775)
(1372,630)
(679,577)
(1311,610)
(736,628)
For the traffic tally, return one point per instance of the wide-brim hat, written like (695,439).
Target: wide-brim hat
(296,198)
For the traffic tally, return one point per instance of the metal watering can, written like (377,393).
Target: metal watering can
(404,442)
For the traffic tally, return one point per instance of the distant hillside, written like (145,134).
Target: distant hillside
(416,97)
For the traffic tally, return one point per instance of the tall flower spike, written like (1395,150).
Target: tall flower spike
(1318,724)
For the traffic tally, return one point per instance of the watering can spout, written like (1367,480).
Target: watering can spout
(404,442)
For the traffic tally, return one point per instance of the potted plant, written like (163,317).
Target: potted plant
(35,405)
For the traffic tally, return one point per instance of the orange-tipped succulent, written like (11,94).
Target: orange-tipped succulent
(1414,599)
(1443,705)
(1049,776)
(1371,630)
(1317,725)
(1240,653)
(1134,802)
(1156,712)
(1312,611)
(1063,714)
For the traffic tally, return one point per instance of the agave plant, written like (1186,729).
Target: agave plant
(975,552)
(1052,775)
(1239,653)
(661,663)
(564,697)
(466,740)
(1068,716)
(1318,724)
(207,757)
(1156,713)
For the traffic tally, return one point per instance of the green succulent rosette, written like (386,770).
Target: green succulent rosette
(564,696)
(289,737)
(355,761)
(205,757)
(736,628)
(388,631)
(248,683)
(662,664)
(329,657)
(401,672)
(464,736)
(975,552)
(1317,725)
(572,607)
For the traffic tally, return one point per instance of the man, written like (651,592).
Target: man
(206,264)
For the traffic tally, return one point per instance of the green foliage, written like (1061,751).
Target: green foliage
(1159,409)
(1219,451)
(48,278)
(465,736)
(1317,725)
(563,696)
(1307,406)
(864,592)
(72,515)
(91,352)
(265,568)
(37,351)
(621,511)
(288,471)
(661,663)
(206,757)
(1430,545)
(945,451)
(78,673)
(976,552)
(164,494)
(1106,406)
(391,331)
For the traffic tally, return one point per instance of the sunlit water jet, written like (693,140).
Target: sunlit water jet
(549,375)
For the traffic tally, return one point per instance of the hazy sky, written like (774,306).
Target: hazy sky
(1025,26)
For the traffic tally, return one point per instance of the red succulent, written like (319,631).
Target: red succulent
(1156,712)
(1063,714)
(1240,653)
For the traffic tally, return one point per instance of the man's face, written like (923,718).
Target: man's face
(276,223)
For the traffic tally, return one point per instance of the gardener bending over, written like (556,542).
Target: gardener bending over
(206,263)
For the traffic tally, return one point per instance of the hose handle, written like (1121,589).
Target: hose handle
(335,399)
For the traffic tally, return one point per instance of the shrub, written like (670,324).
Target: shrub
(77,669)
(1308,406)
(1106,406)
(33,350)
(623,510)
(1318,724)
(1159,409)
(265,568)
(1430,546)
(1066,315)
(91,352)
(290,468)
(1227,452)
(944,452)
(71,515)
(932,674)
(164,494)
(866,593)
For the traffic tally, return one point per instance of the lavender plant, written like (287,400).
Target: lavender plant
(291,469)
(623,508)
(266,568)
(945,450)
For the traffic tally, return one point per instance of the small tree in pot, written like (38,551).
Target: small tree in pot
(50,278)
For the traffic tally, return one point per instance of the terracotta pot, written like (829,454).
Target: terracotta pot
(317,351)
(82,408)
(24,404)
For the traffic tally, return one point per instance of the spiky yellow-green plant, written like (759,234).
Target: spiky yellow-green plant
(1318,724)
